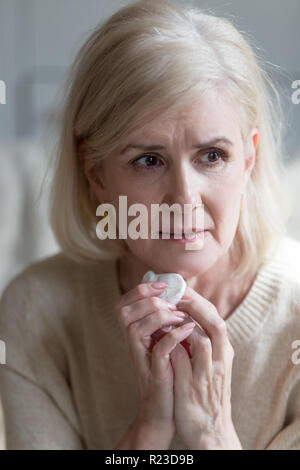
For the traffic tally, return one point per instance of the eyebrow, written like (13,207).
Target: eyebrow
(214,141)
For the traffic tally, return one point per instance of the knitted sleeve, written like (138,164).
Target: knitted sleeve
(37,403)
(289,436)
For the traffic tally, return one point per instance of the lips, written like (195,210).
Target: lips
(182,235)
(183,232)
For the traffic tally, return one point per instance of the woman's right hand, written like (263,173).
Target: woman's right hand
(141,313)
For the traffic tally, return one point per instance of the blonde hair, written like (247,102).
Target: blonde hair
(149,58)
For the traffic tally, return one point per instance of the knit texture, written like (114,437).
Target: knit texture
(68,382)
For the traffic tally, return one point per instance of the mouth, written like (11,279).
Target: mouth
(181,236)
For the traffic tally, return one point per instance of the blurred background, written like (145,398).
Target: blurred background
(38,41)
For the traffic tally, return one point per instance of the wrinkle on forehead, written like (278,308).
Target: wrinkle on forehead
(209,116)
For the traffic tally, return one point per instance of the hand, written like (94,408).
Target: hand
(202,384)
(141,314)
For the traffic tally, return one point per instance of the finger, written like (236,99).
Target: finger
(206,315)
(139,335)
(183,373)
(141,308)
(162,350)
(152,324)
(201,350)
(141,291)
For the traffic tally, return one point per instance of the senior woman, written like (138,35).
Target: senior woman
(165,106)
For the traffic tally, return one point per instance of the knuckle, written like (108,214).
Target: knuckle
(125,310)
(212,311)
(123,313)
(165,315)
(133,329)
(157,351)
(219,328)
(204,344)
(155,303)
(160,317)
(220,370)
(142,290)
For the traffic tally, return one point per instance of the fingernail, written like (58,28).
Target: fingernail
(180,314)
(159,285)
(183,301)
(171,306)
(188,326)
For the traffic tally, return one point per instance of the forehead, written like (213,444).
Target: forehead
(207,116)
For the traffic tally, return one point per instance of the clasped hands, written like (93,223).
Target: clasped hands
(202,382)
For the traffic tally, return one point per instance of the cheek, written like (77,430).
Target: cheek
(135,188)
(226,200)
(231,184)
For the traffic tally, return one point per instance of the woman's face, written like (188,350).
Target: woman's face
(215,174)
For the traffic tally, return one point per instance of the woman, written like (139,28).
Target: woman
(91,363)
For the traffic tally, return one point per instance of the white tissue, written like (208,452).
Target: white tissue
(176,285)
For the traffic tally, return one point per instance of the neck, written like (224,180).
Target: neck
(215,285)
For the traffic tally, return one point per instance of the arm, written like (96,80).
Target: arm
(288,438)
(32,419)
(147,436)
(36,398)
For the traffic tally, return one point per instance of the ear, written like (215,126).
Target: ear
(251,153)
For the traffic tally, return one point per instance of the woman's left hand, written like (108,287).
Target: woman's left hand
(202,384)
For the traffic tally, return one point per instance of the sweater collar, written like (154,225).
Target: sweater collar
(248,317)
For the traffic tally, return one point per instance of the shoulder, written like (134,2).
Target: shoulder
(288,260)
(50,274)
(289,252)
(54,284)
(285,260)
(283,270)
(41,310)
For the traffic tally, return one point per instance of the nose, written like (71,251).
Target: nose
(182,188)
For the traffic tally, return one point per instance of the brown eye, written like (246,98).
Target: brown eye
(214,157)
(150,161)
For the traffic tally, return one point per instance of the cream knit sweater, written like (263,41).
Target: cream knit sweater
(68,382)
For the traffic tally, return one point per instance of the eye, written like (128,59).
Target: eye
(150,160)
(214,157)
